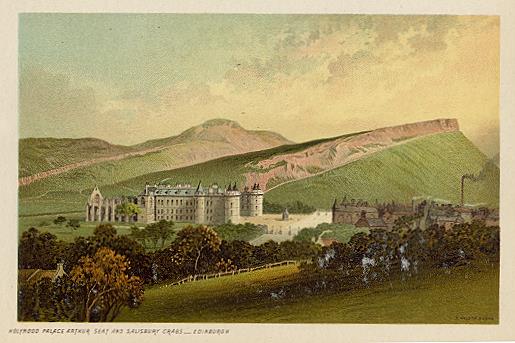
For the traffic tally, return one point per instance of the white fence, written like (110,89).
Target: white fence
(199,277)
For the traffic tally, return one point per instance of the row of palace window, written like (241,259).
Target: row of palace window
(177,218)
(179,202)
(170,202)
(170,211)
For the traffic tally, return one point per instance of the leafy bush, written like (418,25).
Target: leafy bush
(293,207)
(242,232)
(59,220)
(73,224)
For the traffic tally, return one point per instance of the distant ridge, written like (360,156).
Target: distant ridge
(41,158)
(391,163)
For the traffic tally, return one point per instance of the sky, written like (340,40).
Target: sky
(127,78)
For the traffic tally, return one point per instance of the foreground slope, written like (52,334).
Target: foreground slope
(464,296)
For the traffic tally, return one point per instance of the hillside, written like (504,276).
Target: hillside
(497,159)
(41,158)
(40,154)
(427,166)
(395,163)
(68,192)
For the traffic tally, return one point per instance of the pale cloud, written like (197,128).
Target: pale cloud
(347,74)
(46,97)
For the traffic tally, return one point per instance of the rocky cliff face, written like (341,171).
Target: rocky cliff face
(340,151)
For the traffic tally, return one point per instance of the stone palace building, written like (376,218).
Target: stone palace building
(180,203)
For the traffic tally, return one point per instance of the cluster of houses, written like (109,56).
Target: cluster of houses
(423,213)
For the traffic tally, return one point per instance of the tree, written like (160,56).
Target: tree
(73,224)
(160,231)
(195,245)
(294,207)
(241,253)
(298,250)
(267,252)
(225,266)
(166,265)
(152,233)
(105,235)
(404,223)
(104,285)
(138,235)
(104,232)
(59,220)
(39,250)
(128,210)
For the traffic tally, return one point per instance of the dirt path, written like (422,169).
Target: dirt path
(27,180)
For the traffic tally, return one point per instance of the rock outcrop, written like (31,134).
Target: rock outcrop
(335,153)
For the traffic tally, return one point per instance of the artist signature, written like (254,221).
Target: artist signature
(473,317)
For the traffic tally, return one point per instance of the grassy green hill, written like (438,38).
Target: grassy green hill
(427,166)
(212,139)
(464,296)
(40,154)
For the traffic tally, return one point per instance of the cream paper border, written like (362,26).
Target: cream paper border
(9,10)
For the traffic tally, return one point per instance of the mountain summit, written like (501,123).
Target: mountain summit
(220,122)
(44,157)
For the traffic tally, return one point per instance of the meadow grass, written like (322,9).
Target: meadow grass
(464,296)
(340,232)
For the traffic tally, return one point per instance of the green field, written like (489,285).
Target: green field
(44,223)
(240,232)
(344,235)
(464,296)
(340,232)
